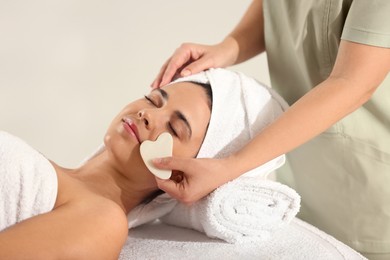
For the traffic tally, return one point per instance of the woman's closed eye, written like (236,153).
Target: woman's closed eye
(179,128)
(172,129)
(151,101)
(155,102)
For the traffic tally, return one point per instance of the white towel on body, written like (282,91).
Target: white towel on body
(241,108)
(28,182)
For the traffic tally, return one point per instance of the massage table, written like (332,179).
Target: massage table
(298,240)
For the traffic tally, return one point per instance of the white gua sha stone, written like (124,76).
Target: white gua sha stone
(162,147)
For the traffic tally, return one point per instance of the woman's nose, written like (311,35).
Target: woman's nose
(144,116)
(154,119)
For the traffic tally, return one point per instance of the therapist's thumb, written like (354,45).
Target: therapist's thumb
(177,185)
(174,189)
(171,163)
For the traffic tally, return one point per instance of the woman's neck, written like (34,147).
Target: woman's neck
(100,176)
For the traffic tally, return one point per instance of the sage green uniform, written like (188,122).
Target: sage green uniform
(343,175)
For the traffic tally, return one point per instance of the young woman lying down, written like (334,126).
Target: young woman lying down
(50,212)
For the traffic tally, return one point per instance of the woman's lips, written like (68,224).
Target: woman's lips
(131,128)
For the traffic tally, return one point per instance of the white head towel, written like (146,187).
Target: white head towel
(241,108)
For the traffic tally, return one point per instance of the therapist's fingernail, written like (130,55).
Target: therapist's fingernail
(162,161)
(186,73)
(157,160)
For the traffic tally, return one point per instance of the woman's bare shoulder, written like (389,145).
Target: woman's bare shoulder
(94,228)
(100,225)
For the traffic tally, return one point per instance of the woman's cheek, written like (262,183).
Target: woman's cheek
(184,150)
(176,148)
(180,149)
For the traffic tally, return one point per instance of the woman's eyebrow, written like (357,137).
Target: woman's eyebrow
(163,93)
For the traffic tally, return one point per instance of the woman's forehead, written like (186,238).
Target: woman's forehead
(185,84)
(184,89)
(190,98)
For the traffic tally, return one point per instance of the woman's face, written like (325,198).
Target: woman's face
(181,109)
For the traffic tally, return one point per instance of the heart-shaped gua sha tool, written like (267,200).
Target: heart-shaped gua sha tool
(162,147)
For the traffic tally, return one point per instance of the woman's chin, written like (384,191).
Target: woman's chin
(123,152)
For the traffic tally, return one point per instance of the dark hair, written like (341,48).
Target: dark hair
(209,93)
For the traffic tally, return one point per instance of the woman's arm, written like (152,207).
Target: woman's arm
(358,71)
(72,231)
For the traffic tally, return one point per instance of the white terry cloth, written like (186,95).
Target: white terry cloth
(244,210)
(28,181)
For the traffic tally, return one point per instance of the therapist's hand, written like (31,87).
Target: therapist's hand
(191,58)
(193,179)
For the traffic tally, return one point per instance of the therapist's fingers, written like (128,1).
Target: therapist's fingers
(197,66)
(172,163)
(156,83)
(182,185)
(191,58)
(184,191)
(179,58)
(187,54)
(192,178)
(173,188)
(177,176)
(177,186)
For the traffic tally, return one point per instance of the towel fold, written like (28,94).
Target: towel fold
(244,210)
(153,210)
(28,185)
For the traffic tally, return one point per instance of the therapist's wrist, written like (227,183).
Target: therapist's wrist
(233,166)
(231,50)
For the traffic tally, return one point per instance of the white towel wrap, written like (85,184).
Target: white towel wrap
(28,181)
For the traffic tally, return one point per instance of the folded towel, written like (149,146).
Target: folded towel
(28,185)
(244,210)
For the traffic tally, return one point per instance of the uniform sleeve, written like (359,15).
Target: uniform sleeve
(368,22)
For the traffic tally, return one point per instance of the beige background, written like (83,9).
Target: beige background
(68,66)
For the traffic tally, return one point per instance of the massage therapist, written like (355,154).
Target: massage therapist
(329,59)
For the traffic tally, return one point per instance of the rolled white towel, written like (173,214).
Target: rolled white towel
(244,210)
